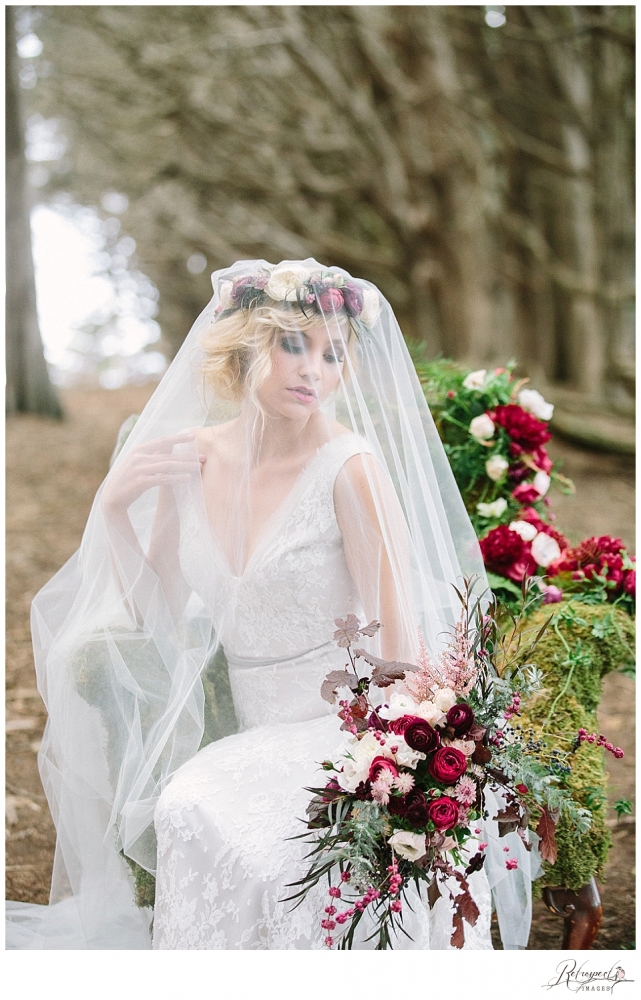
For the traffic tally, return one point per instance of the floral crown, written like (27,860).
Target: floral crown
(322,292)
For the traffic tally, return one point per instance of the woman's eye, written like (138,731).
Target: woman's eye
(333,358)
(291,347)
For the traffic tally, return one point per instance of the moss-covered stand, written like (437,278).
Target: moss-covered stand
(583,643)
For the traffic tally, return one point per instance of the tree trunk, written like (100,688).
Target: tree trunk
(29,389)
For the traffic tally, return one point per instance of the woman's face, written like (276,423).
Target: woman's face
(306,368)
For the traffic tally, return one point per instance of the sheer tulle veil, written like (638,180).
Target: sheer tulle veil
(131,668)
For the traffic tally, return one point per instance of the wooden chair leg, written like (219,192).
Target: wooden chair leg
(581,911)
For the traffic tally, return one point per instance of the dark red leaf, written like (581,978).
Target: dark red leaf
(385,671)
(458,936)
(334,680)
(467,908)
(433,892)
(547,833)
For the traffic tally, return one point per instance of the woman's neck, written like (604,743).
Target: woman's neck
(273,436)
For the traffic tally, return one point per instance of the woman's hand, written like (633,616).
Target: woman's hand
(149,465)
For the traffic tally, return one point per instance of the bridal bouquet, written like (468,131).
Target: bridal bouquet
(405,800)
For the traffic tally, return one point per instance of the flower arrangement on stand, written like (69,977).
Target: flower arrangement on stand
(406,798)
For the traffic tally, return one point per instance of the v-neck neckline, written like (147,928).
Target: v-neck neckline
(278,514)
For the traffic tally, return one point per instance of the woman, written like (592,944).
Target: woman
(286,472)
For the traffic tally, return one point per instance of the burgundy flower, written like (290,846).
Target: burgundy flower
(399,726)
(414,807)
(330,300)
(421,736)
(461,718)
(376,722)
(526,430)
(530,515)
(353,299)
(630,582)
(444,813)
(381,764)
(504,552)
(526,493)
(448,764)
(542,460)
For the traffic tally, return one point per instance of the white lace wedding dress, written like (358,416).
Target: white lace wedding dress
(223,822)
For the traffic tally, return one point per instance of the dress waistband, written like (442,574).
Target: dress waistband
(245,663)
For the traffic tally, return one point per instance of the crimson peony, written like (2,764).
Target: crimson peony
(525,430)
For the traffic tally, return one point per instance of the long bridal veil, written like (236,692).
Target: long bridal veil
(129,635)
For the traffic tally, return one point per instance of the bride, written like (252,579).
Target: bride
(285,473)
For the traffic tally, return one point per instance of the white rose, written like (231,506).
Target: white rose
(427,710)
(465,746)
(371,307)
(284,281)
(403,754)
(541,482)
(545,549)
(444,699)
(533,402)
(410,846)
(494,509)
(482,427)
(526,530)
(475,380)
(496,466)
(399,705)
(356,768)
(225,293)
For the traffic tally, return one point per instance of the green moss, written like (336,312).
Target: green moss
(144,883)
(584,643)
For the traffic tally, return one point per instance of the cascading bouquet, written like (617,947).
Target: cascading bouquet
(406,797)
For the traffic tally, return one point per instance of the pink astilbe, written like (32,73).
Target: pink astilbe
(454,669)
(382,786)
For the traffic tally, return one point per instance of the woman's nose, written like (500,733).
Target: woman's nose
(311,366)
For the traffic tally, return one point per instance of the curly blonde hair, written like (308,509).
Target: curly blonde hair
(238,346)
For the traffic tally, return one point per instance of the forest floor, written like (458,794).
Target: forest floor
(53,471)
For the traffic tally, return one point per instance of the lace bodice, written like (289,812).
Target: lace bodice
(275,621)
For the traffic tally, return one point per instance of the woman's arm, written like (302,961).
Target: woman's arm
(375,540)
(146,467)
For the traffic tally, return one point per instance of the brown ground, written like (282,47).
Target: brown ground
(53,471)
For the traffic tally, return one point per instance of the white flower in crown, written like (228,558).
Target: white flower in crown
(371,307)
(283,282)
(475,380)
(533,402)
(494,509)
(496,467)
(482,427)
(541,482)
(545,549)
(526,530)
(225,294)
(410,846)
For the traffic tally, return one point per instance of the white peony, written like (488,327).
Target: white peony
(526,530)
(399,705)
(371,307)
(284,281)
(541,482)
(496,467)
(403,753)
(533,402)
(356,768)
(444,699)
(494,509)
(545,549)
(410,846)
(475,380)
(482,427)
(225,293)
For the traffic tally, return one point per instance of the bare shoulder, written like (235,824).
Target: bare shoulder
(217,438)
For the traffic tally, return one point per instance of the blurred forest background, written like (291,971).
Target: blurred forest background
(477,163)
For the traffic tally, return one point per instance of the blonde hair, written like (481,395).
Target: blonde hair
(238,346)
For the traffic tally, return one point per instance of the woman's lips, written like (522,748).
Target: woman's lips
(303,395)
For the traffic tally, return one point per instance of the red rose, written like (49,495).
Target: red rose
(353,299)
(523,428)
(443,812)
(542,460)
(330,300)
(461,718)
(381,764)
(630,582)
(420,736)
(448,764)
(399,726)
